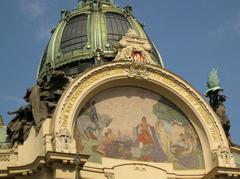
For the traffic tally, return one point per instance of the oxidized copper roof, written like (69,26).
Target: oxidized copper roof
(94,27)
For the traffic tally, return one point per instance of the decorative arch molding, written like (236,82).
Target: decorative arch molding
(154,78)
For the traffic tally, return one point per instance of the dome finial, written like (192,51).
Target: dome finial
(89,1)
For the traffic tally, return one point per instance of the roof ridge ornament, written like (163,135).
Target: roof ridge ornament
(95,4)
(95,1)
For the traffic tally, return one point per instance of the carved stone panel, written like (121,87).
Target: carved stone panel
(64,141)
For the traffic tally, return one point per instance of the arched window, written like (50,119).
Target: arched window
(75,34)
(117,26)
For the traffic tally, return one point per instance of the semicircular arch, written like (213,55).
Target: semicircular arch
(158,80)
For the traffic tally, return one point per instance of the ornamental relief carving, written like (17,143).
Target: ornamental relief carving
(64,115)
(109,175)
(137,70)
(64,140)
(133,48)
(4,158)
(223,157)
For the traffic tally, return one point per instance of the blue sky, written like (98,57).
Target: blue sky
(192,37)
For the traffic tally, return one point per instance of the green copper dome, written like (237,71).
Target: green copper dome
(93,28)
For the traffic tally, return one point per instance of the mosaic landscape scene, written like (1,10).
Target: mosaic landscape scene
(136,124)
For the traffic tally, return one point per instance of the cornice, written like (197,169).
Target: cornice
(51,159)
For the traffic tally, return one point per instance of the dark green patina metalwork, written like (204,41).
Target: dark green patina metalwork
(213,83)
(217,100)
(94,27)
(85,37)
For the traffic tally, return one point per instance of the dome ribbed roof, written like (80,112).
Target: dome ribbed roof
(93,27)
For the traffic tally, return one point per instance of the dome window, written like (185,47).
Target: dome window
(75,34)
(44,57)
(117,26)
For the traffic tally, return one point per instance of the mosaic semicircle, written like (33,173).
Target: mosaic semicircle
(132,123)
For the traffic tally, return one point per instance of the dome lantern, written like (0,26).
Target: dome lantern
(96,1)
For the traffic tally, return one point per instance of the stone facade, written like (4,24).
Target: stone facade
(52,151)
